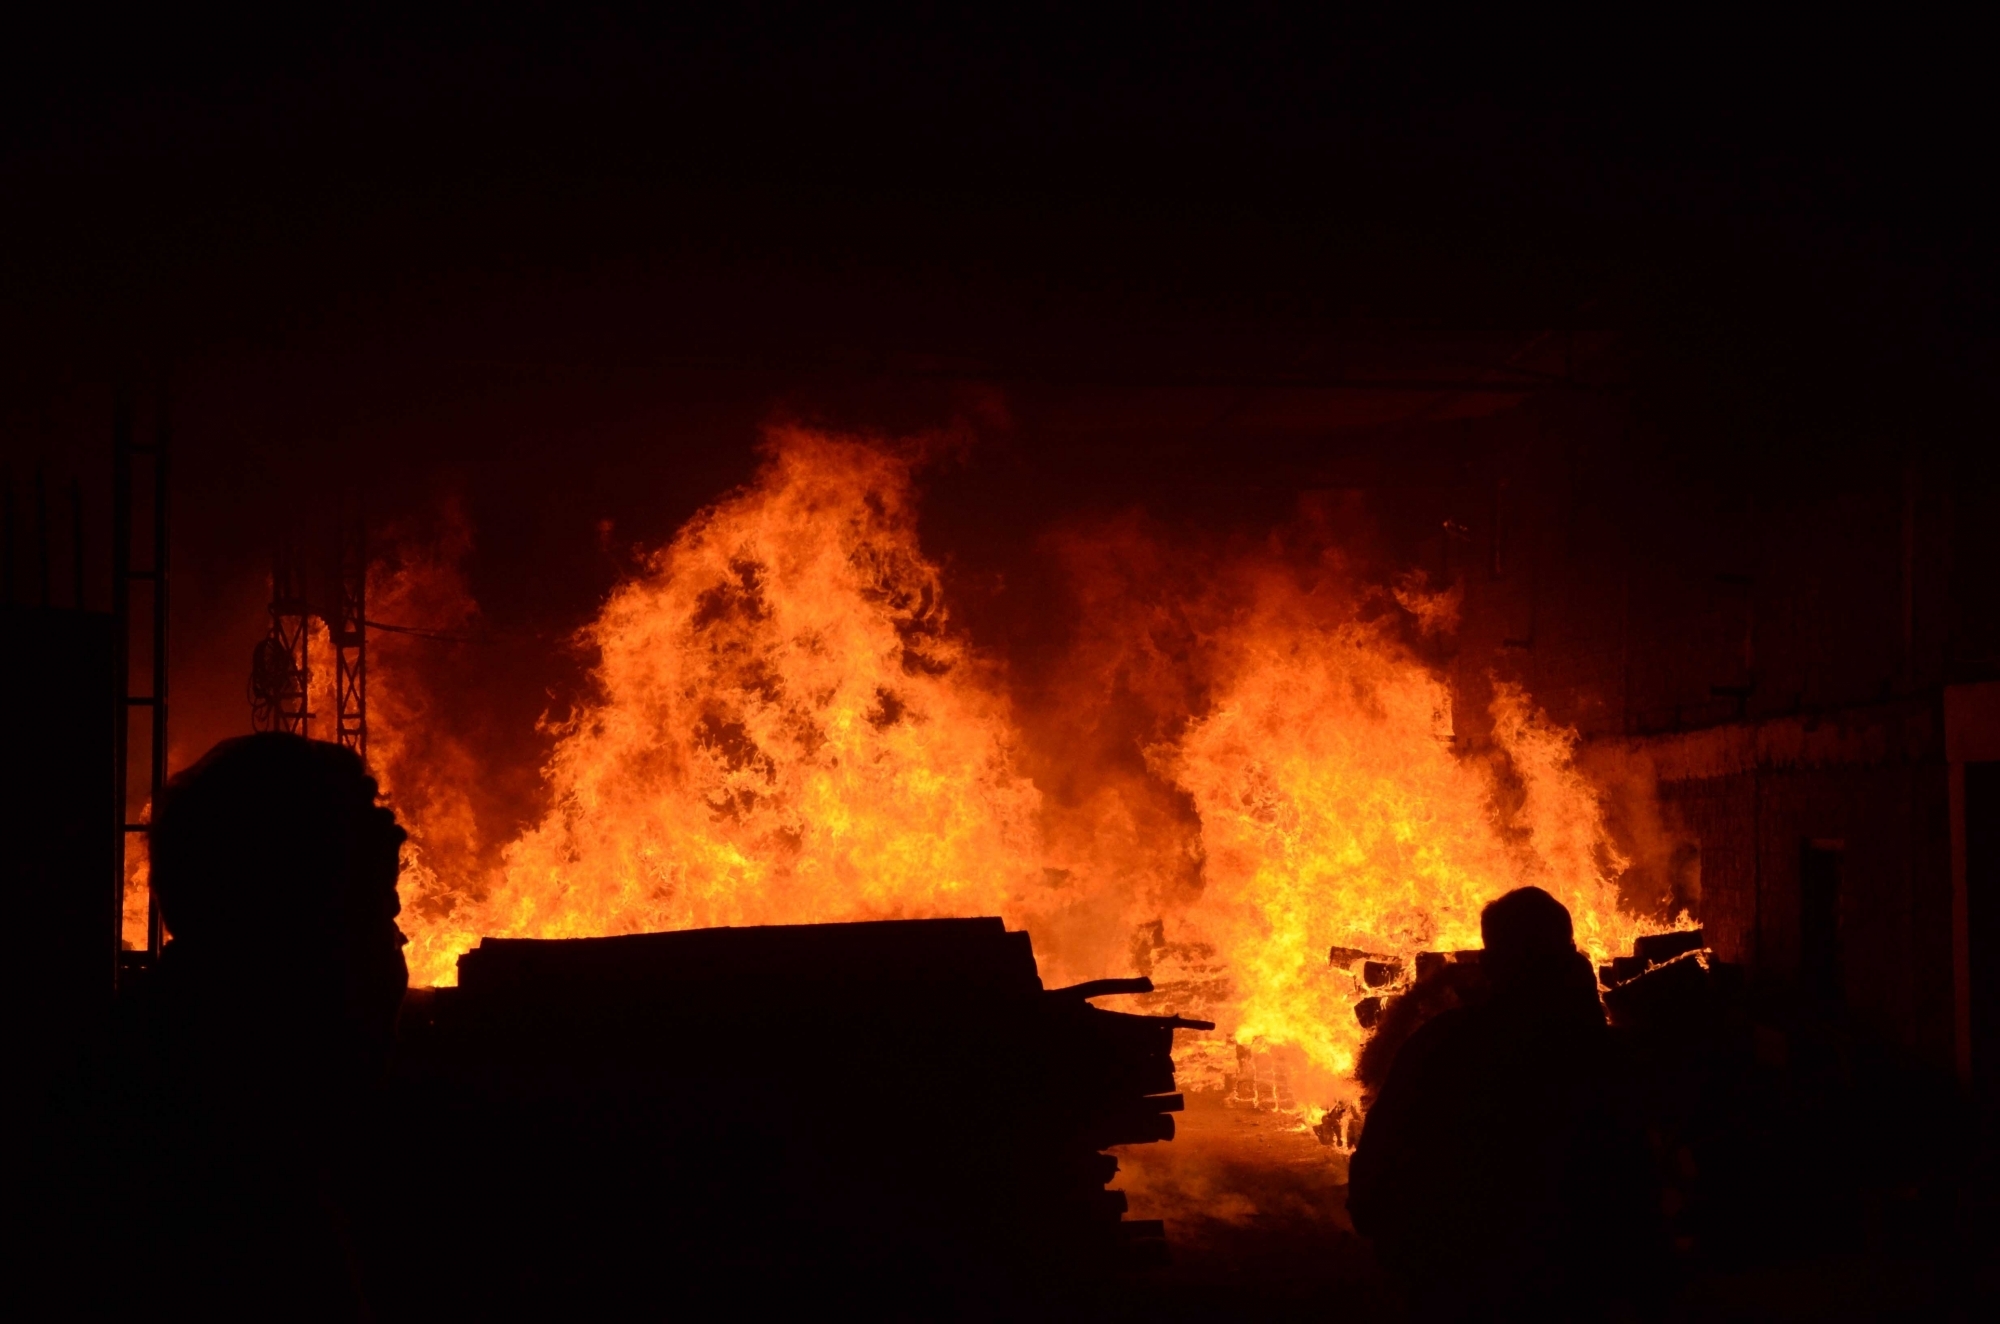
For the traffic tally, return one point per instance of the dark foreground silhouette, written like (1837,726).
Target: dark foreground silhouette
(1499,1175)
(206,1161)
(892,1116)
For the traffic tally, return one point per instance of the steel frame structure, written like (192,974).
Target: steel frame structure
(127,453)
(347,628)
(280,688)
(281,666)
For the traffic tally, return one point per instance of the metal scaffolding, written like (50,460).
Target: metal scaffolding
(333,594)
(281,666)
(150,580)
(347,626)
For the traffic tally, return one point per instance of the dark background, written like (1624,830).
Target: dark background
(565,263)
(1670,337)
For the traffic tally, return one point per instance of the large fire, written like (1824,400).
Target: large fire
(1237,767)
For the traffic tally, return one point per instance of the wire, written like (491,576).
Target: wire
(442,636)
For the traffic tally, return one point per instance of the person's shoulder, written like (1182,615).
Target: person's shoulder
(1443,1032)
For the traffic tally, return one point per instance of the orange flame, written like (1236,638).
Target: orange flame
(787,727)
(424,769)
(1335,811)
(135,906)
(787,730)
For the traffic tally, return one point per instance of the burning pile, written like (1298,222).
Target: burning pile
(788,732)
(893,1107)
(1239,764)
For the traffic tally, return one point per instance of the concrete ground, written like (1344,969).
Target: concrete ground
(1256,1218)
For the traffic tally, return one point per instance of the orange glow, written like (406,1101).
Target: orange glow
(787,730)
(1250,764)
(423,770)
(1335,812)
(135,910)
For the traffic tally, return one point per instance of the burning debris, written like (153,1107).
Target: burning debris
(1649,951)
(1240,762)
(1670,985)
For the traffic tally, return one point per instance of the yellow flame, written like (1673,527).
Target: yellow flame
(787,727)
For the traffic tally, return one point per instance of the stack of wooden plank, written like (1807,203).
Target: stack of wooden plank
(1652,950)
(1670,987)
(896,1109)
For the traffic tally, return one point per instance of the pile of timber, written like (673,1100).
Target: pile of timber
(1434,983)
(1671,990)
(894,1107)
(1670,985)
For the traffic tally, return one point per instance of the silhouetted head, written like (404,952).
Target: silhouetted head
(1527,934)
(276,873)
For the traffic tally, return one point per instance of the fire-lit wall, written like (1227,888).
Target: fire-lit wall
(1770,649)
(1884,823)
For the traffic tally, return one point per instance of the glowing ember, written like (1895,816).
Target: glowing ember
(787,728)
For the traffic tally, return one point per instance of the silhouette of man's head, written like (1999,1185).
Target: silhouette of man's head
(1526,932)
(276,872)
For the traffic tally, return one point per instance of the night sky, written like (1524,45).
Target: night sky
(562,267)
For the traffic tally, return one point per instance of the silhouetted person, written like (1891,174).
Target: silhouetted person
(212,1169)
(1496,1175)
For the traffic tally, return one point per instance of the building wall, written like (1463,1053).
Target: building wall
(1773,641)
(1892,824)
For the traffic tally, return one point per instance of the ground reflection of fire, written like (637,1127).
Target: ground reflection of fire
(1241,766)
